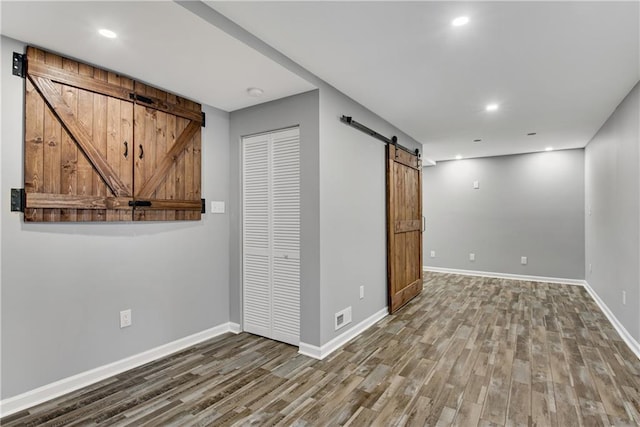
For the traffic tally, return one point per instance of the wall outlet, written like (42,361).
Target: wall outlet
(624,297)
(343,318)
(523,260)
(433,254)
(472,256)
(361,291)
(125,318)
(476,184)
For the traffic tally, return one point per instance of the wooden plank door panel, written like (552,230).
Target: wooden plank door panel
(404,226)
(166,172)
(97,142)
(69,133)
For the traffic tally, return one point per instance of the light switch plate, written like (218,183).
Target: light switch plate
(476,184)
(217,207)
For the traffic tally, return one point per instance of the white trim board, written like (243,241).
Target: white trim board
(50,391)
(633,345)
(328,348)
(505,275)
(622,331)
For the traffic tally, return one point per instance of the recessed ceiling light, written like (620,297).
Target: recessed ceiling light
(458,156)
(548,149)
(477,140)
(255,92)
(460,20)
(491,107)
(107,33)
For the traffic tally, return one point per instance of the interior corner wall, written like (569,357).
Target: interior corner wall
(298,110)
(526,205)
(612,206)
(352,211)
(63,284)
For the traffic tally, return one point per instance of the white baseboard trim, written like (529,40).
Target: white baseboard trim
(505,275)
(50,391)
(626,336)
(234,328)
(328,348)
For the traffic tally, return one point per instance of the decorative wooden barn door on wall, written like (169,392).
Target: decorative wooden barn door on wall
(103,147)
(404,222)
(271,235)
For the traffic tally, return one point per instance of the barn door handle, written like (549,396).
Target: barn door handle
(126,149)
(141,152)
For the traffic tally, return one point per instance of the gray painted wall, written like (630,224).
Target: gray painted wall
(299,110)
(612,206)
(63,285)
(527,205)
(350,198)
(352,211)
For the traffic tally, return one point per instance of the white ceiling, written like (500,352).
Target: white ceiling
(555,68)
(161,43)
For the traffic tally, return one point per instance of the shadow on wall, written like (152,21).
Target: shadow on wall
(110,229)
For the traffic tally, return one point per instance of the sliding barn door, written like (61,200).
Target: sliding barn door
(404,226)
(103,147)
(271,235)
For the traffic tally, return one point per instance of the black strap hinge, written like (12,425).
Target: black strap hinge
(19,65)
(141,203)
(203,210)
(140,98)
(18,200)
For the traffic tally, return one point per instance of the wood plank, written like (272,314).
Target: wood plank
(170,181)
(53,140)
(188,177)
(100,117)
(180,190)
(406,225)
(85,116)
(69,150)
(149,153)
(82,137)
(197,169)
(73,201)
(161,151)
(51,169)
(34,147)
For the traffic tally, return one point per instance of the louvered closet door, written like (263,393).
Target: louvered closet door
(271,235)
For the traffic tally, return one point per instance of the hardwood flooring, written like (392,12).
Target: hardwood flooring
(468,351)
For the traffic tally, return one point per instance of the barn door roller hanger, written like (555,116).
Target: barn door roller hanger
(348,120)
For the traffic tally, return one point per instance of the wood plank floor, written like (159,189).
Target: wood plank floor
(468,351)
